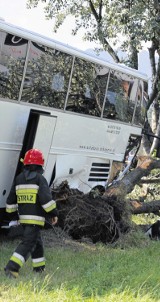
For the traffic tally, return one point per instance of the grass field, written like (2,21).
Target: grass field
(129,271)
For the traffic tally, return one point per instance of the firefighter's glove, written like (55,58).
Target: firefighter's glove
(54,220)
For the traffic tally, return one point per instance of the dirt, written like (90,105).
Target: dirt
(56,237)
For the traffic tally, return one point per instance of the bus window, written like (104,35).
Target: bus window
(120,97)
(47,76)
(88,86)
(142,98)
(12,57)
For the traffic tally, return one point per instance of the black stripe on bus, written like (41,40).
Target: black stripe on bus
(100,169)
(97,179)
(99,174)
(100,165)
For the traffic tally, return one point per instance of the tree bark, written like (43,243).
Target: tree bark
(145,207)
(128,182)
(150,181)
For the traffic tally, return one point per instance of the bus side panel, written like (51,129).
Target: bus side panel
(13,121)
(83,150)
(81,172)
(91,137)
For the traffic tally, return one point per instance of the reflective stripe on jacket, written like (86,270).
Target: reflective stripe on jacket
(30,191)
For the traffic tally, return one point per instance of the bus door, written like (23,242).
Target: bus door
(39,134)
(43,142)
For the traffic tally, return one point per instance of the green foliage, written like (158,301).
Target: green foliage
(136,20)
(41,73)
(11,81)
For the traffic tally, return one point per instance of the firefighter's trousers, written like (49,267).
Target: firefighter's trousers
(31,245)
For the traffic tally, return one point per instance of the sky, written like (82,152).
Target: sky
(15,12)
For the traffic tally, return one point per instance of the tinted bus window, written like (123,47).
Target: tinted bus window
(12,57)
(120,97)
(88,86)
(47,76)
(142,98)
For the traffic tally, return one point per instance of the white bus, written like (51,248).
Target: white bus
(81,111)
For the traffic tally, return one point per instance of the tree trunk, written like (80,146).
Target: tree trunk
(133,56)
(145,207)
(128,182)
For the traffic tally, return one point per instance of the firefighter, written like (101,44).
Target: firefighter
(31,197)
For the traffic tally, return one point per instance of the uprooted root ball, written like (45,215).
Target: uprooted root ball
(86,216)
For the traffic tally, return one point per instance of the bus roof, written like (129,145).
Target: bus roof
(46,41)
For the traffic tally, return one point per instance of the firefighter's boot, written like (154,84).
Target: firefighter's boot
(10,274)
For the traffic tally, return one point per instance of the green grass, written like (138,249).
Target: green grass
(121,273)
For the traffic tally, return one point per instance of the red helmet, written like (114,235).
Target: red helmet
(33,157)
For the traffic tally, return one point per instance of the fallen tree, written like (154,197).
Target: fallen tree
(126,185)
(86,216)
(104,217)
(145,207)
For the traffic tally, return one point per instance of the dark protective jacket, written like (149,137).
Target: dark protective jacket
(31,196)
